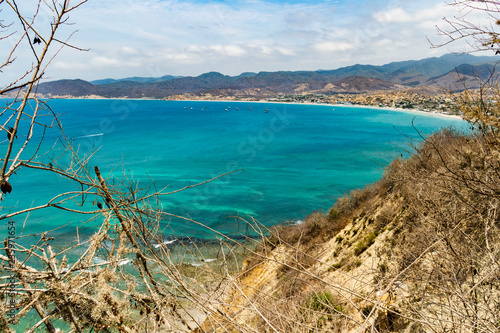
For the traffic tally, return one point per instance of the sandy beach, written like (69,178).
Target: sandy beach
(434,113)
(428,113)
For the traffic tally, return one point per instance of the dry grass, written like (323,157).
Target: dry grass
(416,252)
(433,223)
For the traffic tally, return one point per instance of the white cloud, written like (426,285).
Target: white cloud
(127,50)
(334,46)
(263,49)
(177,57)
(220,50)
(386,42)
(286,51)
(426,14)
(234,51)
(158,37)
(396,15)
(69,66)
(100,62)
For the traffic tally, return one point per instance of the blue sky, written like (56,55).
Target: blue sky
(190,37)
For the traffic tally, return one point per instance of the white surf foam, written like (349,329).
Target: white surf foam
(89,136)
(165,243)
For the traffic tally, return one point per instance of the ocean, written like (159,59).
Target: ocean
(287,160)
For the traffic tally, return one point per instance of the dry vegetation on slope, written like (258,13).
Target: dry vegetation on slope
(416,252)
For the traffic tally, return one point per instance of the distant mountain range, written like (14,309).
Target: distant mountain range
(137,79)
(450,71)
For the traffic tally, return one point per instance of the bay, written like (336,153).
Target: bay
(294,158)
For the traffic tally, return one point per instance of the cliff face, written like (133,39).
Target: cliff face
(416,252)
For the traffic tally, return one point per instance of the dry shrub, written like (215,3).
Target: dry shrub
(450,191)
(365,243)
(293,283)
(315,228)
(349,202)
(318,310)
(439,266)
(440,211)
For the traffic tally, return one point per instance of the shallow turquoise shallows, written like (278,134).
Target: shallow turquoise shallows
(295,159)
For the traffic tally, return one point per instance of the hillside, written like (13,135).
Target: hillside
(415,252)
(465,76)
(137,79)
(449,72)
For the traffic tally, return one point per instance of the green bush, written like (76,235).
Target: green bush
(323,302)
(333,214)
(362,245)
(336,265)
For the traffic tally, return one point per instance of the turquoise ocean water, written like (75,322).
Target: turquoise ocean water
(296,158)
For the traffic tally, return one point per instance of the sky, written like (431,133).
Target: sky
(152,38)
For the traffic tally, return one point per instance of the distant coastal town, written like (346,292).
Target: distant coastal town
(446,104)
(428,85)
(410,100)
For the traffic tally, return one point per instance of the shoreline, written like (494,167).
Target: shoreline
(416,111)
(434,113)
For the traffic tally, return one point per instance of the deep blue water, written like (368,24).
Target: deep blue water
(296,158)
